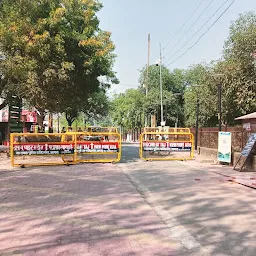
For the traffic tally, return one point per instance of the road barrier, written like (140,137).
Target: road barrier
(165,129)
(166,146)
(42,149)
(94,129)
(98,147)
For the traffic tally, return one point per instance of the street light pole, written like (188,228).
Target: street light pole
(161,88)
(197,114)
(147,79)
(218,78)
(219,105)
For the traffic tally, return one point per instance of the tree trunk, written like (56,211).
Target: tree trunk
(70,122)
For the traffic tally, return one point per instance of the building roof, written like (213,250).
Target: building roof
(249,116)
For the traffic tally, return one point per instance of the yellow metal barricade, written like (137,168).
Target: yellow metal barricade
(39,149)
(166,146)
(100,147)
(88,129)
(166,129)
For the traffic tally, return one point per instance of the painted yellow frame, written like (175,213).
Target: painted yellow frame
(110,160)
(74,156)
(168,158)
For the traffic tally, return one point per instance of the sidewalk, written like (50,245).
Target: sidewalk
(244,178)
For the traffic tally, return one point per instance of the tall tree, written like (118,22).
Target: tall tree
(127,109)
(173,90)
(54,52)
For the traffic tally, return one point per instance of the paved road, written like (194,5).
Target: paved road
(215,215)
(131,208)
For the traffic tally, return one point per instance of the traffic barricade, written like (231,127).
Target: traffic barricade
(165,129)
(88,129)
(166,146)
(39,149)
(100,147)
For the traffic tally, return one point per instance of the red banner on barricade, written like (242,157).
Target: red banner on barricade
(42,148)
(95,146)
(166,146)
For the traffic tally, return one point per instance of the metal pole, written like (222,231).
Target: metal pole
(219,105)
(161,87)
(147,80)
(148,64)
(197,114)
(58,122)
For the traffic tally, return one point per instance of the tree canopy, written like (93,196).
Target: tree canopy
(54,53)
(235,71)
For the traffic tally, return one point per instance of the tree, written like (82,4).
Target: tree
(54,52)
(239,65)
(127,109)
(173,84)
(201,86)
(95,107)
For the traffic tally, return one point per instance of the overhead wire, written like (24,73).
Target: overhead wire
(193,24)
(176,52)
(183,25)
(202,34)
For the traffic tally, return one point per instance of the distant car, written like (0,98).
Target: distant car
(93,138)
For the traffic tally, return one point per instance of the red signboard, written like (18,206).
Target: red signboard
(58,148)
(43,148)
(97,146)
(30,116)
(166,146)
(27,116)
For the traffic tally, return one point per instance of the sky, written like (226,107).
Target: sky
(130,22)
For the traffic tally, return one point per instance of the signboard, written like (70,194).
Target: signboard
(246,152)
(167,146)
(247,126)
(30,116)
(64,148)
(224,147)
(249,145)
(97,146)
(27,116)
(43,148)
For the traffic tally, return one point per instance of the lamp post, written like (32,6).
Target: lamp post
(219,105)
(161,89)
(217,77)
(197,115)
(159,62)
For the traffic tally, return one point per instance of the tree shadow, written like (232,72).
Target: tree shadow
(218,213)
(78,210)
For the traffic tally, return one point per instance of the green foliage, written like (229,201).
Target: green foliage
(173,88)
(127,109)
(238,78)
(54,53)
(202,86)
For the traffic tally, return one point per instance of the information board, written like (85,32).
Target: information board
(247,150)
(224,147)
(249,145)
